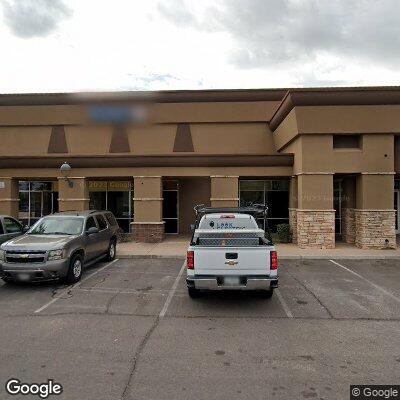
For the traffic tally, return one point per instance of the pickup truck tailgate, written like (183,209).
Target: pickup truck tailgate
(232,261)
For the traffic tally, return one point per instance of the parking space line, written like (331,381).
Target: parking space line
(377,287)
(172,291)
(283,304)
(52,301)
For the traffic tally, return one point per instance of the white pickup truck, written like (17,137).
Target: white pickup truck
(228,251)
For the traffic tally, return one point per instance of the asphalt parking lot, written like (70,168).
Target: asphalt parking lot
(128,330)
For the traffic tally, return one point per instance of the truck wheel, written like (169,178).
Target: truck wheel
(112,250)
(8,280)
(266,294)
(75,269)
(194,293)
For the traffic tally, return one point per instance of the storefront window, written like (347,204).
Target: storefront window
(273,192)
(114,196)
(36,199)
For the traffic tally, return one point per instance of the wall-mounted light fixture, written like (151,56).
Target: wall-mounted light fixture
(65,170)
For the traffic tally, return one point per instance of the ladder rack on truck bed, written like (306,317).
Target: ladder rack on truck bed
(232,238)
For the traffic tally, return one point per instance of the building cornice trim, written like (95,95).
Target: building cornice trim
(350,96)
(147,199)
(124,160)
(378,173)
(314,173)
(224,199)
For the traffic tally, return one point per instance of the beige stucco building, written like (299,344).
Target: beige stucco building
(325,160)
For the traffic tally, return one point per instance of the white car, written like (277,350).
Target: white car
(229,251)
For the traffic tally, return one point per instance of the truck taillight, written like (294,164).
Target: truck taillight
(274,260)
(190,260)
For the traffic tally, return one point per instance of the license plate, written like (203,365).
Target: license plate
(23,277)
(231,281)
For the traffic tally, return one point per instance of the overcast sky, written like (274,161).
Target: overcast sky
(79,45)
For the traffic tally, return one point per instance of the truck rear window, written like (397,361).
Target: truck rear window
(222,222)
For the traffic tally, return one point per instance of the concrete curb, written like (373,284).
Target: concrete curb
(283,258)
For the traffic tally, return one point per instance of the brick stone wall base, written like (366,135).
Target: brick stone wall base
(293,223)
(375,229)
(316,229)
(148,232)
(348,225)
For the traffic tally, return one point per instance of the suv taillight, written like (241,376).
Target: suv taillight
(274,260)
(190,260)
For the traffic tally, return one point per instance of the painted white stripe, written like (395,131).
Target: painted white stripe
(172,291)
(52,301)
(377,287)
(283,303)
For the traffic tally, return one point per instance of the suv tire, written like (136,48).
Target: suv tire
(112,250)
(75,269)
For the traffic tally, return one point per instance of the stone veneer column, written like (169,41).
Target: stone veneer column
(348,225)
(374,215)
(75,198)
(224,191)
(293,204)
(316,228)
(375,229)
(293,223)
(315,216)
(148,225)
(9,196)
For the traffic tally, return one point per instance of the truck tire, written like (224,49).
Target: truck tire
(266,294)
(112,250)
(75,269)
(194,293)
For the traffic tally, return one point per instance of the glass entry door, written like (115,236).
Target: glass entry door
(171,206)
(114,196)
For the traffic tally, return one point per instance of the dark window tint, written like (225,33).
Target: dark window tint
(101,221)
(12,226)
(90,223)
(1,228)
(346,141)
(111,219)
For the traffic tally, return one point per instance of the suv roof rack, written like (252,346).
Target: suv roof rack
(257,209)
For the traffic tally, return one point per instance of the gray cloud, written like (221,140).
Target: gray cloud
(34,18)
(288,32)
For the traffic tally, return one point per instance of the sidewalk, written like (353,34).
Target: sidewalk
(175,246)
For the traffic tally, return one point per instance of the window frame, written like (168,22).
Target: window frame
(87,220)
(98,217)
(7,232)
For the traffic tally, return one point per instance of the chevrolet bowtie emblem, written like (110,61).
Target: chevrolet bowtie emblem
(231,263)
(24,255)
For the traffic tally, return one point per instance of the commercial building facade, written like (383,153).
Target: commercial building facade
(324,160)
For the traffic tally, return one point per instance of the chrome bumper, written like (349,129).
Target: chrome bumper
(50,270)
(247,283)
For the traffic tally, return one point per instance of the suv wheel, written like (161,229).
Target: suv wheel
(75,269)
(112,250)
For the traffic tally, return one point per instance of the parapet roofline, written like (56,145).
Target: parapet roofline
(164,96)
(343,96)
